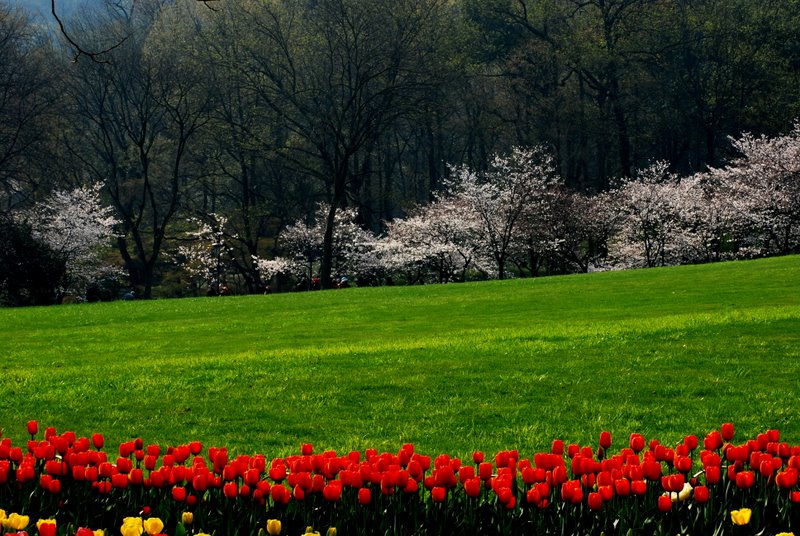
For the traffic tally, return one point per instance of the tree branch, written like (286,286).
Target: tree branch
(80,51)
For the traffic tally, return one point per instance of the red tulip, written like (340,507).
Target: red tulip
(307,449)
(179,493)
(278,472)
(466,472)
(691,442)
(33,427)
(279,494)
(230,490)
(765,468)
(485,470)
(652,470)
(568,490)
(683,464)
(676,482)
(727,431)
(54,487)
(47,529)
(713,474)
(622,487)
(745,479)
(438,494)
(119,481)
(639,487)
(91,474)
(200,482)
(559,475)
(150,462)
(15,454)
(98,441)
(701,494)
(786,479)
(136,477)
(504,494)
(317,483)
(364,496)
(713,441)
(664,503)
(636,442)
(332,491)
(124,465)
(472,487)
(605,440)
(595,501)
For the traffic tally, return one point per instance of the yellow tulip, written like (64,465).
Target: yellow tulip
(187,518)
(741,517)
(16,522)
(132,526)
(274,527)
(785,534)
(99,532)
(332,531)
(2,514)
(153,525)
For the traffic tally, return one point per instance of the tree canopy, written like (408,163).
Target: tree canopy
(260,112)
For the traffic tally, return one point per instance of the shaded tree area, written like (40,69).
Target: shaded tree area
(614,84)
(258,112)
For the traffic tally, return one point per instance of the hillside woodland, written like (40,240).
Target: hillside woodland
(180,147)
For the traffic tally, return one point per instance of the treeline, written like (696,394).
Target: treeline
(519,217)
(259,111)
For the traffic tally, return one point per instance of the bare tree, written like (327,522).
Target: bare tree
(28,104)
(137,115)
(338,74)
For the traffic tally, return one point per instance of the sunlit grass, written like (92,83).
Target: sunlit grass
(451,368)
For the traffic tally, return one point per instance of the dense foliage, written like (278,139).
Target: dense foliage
(262,112)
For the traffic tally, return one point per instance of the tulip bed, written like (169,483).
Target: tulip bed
(69,485)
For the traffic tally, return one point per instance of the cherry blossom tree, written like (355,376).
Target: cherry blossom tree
(662,219)
(645,206)
(208,255)
(764,184)
(78,228)
(442,237)
(353,248)
(505,198)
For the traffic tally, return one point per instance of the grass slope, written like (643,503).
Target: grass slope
(452,368)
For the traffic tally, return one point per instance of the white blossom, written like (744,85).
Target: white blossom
(78,228)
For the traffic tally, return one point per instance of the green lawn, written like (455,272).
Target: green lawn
(451,368)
